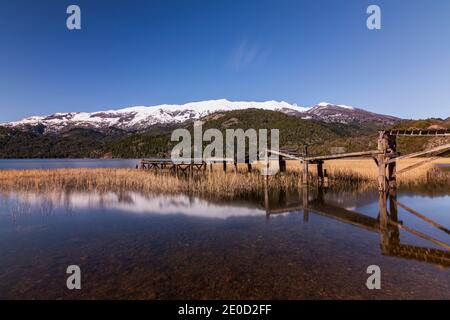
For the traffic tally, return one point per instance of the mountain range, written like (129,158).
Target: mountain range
(135,119)
(140,132)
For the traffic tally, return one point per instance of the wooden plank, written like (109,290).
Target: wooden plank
(420,235)
(416,165)
(344,155)
(417,214)
(289,156)
(420,153)
(419,133)
(344,215)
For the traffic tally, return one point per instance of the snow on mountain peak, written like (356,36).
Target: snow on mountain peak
(143,117)
(327,104)
(140,117)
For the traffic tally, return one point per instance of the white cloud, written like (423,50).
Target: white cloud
(247,53)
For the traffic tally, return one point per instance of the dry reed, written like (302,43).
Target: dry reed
(341,173)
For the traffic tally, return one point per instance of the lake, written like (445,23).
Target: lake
(9,164)
(144,246)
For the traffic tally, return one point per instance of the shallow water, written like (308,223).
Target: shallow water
(8,164)
(131,245)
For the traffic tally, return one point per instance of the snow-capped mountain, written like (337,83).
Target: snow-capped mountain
(340,113)
(141,117)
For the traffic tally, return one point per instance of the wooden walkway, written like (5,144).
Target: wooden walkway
(420,133)
(386,224)
(385,158)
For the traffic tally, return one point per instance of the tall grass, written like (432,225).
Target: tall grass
(364,170)
(103,180)
(341,173)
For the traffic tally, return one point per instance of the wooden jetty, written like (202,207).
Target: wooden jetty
(385,158)
(386,224)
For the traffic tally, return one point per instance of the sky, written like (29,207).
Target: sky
(133,52)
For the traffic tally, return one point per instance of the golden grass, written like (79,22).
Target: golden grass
(366,170)
(103,180)
(342,173)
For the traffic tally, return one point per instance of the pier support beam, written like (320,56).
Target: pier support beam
(305,201)
(394,234)
(305,181)
(191,172)
(392,166)
(266,201)
(320,175)
(381,159)
(383,218)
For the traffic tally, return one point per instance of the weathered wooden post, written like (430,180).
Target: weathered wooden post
(305,200)
(267,164)
(305,167)
(210,167)
(224,166)
(191,172)
(325,178)
(266,200)
(281,164)
(392,166)
(394,234)
(383,220)
(320,172)
(381,159)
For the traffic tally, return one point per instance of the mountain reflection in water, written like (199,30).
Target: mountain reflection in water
(298,244)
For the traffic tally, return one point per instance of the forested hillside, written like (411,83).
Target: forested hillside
(321,137)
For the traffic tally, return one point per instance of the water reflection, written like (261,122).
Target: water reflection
(21,203)
(303,201)
(30,164)
(386,223)
(294,244)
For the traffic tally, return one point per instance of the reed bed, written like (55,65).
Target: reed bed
(359,173)
(363,170)
(116,180)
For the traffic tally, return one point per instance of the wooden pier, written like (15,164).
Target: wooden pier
(385,158)
(387,225)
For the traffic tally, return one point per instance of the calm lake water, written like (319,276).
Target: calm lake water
(66,163)
(132,245)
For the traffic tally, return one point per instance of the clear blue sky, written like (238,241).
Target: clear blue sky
(168,51)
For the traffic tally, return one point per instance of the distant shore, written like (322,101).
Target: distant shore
(340,173)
